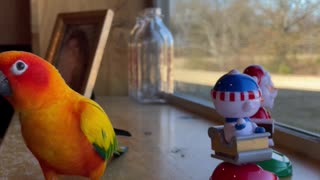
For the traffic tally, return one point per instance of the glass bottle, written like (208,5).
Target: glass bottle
(156,14)
(132,62)
(152,68)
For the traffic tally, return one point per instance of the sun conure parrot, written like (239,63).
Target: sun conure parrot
(68,133)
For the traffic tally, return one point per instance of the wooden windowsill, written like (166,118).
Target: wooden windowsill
(285,137)
(167,143)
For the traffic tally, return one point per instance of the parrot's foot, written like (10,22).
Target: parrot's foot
(121,132)
(120,151)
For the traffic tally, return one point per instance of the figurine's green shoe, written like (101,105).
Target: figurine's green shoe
(279,164)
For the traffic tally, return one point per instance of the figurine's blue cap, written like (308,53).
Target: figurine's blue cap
(236,82)
(235,86)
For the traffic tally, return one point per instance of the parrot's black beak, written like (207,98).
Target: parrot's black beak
(5,89)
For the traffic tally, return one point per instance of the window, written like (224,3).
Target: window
(215,36)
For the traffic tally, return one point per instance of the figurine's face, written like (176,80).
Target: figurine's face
(237,109)
(269,92)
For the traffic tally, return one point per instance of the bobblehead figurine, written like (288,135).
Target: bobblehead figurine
(269,93)
(279,164)
(236,97)
(239,143)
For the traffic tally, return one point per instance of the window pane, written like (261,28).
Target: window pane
(215,36)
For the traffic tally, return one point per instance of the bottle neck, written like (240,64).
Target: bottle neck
(152,11)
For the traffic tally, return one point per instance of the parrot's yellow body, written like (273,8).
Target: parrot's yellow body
(68,133)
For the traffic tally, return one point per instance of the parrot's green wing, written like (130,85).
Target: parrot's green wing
(97,127)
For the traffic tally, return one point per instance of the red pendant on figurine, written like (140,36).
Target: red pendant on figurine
(229,171)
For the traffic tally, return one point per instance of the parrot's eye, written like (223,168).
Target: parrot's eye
(19,67)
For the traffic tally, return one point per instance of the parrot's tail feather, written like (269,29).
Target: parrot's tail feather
(120,151)
(121,132)
(98,173)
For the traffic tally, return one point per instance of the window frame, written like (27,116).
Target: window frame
(286,136)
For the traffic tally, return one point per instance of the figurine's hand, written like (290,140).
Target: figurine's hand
(241,123)
(260,130)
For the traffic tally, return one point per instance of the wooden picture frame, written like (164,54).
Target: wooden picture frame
(77,45)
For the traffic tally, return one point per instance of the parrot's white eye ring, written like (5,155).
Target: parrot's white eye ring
(19,67)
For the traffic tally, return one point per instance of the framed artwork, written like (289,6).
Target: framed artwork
(77,45)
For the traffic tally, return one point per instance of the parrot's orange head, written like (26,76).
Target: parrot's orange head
(27,80)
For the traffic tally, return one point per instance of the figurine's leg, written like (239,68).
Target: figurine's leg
(271,143)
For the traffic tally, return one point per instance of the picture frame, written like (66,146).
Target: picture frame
(77,45)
